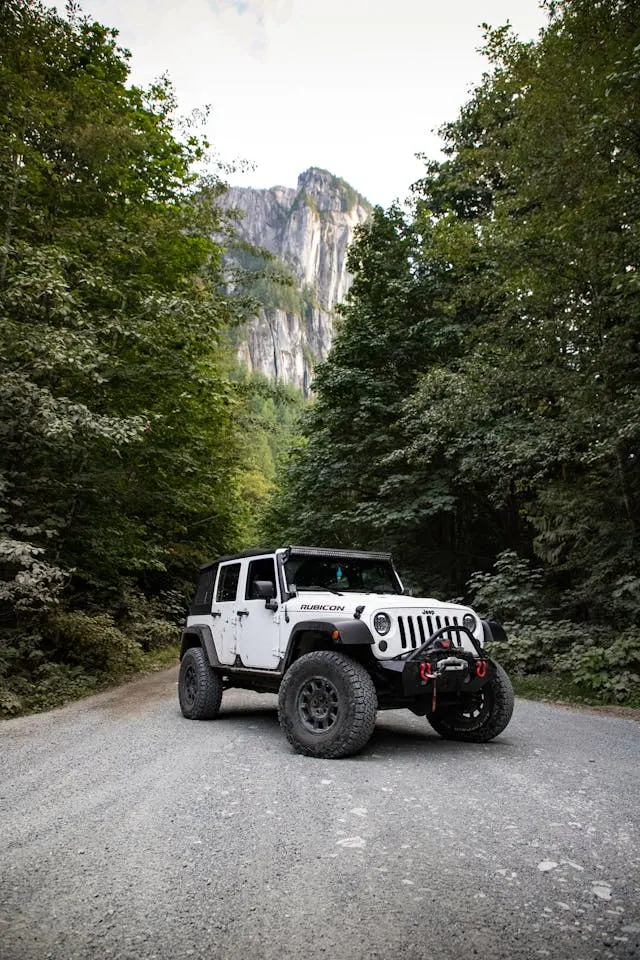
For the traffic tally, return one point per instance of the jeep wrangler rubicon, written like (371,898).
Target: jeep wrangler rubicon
(333,633)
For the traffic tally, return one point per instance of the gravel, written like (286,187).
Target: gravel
(130,832)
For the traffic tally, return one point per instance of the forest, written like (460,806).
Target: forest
(478,414)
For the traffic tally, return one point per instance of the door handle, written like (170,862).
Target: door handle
(242,613)
(216,613)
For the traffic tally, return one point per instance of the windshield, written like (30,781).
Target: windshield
(348,575)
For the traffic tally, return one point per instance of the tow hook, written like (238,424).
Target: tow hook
(481,668)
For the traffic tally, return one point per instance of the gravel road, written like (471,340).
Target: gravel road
(129,832)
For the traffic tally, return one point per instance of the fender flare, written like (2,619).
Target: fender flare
(493,632)
(201,634)
(352,633)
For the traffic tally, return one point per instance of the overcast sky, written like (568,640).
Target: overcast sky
(354,86)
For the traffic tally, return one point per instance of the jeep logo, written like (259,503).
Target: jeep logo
(428,613)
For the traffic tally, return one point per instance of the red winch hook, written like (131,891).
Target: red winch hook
(426,672)
(481,668)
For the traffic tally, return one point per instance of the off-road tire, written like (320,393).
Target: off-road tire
(324,680)
(482,720)
(199,687)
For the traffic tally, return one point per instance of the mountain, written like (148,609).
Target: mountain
(308,231)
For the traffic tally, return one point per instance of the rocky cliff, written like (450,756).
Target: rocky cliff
(308,231)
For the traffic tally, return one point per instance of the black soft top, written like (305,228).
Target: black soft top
(264,552)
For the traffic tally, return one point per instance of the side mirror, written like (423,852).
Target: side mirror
(265,590)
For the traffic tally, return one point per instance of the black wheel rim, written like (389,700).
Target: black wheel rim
(318,706)
(190,685)
(474,713)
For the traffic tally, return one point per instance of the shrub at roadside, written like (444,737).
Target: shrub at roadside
(583,660)
(73,654)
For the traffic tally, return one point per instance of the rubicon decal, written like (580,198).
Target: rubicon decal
(319,606)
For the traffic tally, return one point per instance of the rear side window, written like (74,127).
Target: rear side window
(228,582)
(264,569)
(204,591)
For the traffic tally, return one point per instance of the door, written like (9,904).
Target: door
(258,630)
(224,611)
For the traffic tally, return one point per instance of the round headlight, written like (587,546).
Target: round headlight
(469,621)
(382,623)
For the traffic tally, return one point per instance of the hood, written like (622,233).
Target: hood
(323,601)
(410,620)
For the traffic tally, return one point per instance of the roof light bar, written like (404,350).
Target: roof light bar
(337,552)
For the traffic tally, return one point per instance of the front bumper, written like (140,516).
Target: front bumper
(440,666)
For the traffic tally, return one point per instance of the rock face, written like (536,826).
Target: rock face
(308,229)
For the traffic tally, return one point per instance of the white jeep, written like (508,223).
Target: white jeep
(333,633)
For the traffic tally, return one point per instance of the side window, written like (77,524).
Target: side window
(264,569)
(228,582)
(204,591)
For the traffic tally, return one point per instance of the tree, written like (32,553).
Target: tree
(502,410)
(559,348)
(361,386)
(120,456)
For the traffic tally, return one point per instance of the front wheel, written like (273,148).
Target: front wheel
(327,705)
(482,716)
(199,688)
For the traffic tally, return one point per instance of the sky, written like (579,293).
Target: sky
(357,87)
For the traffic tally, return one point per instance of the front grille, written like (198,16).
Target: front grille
(416,629)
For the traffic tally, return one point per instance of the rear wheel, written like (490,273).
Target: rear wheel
(482,716)
(327,705)
(199,687)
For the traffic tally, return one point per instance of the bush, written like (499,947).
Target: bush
(29,680)
(612,670)
(535,648)
(154,634)
(64,656)
(599,662)
(595,661)
(95,643)
(55,656)
(511,592)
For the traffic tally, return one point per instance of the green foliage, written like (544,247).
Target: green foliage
(267,420)
(349,197)
(93,643)
(540,647)
(558,688)
(121,464)
(596,662)
(34,676)
(481,397)
(611,669)
(265,283)
(276,289)
(513,591)
(347,438)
